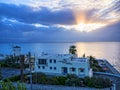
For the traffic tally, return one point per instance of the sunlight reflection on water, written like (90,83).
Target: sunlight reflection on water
(103,50)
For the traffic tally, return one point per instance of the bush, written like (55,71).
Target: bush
(13,79)
(71,76)
(97,82)
(10,86)
(61,80)
(52,81)
(94,64)
(39,78)
(73,80)
(69,80)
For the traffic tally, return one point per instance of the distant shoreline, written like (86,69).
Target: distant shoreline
(63,42)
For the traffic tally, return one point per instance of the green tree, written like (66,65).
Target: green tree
(0,73)
(22,59)
(84,55)
(73,50)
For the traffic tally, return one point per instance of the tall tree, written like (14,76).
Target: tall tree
(22,59)
(84,55)
(73,50)
(0,73)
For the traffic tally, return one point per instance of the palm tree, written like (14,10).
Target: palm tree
(73,50)
(84,55)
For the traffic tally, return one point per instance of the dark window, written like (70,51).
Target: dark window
(50,67)
(54,68)
(81,69)
(54,61)
(73,69)
(43,67)
(50,60)
(38,66)
(42,61)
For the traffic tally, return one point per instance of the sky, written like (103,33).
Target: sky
(58,20)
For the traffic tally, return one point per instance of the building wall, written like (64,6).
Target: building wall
(62,62)
(17,51)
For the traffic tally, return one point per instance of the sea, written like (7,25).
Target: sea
(100,50)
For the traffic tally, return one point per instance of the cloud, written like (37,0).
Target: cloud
(45,16)
(45,21)
(58,34)
(14,31)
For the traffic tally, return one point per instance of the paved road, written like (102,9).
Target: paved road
(9,72)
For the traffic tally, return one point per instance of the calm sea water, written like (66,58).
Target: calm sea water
(103,50)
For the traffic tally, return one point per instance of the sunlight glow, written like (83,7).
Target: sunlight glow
(88,27)
(82,27)
(39,25)
(88,14)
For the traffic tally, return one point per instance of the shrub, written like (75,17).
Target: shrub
(39,78)
(52,81)
(71,76)
(13,79)
(97,82)
(10,86)
(61,80)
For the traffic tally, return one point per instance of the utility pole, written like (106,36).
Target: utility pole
(30,67)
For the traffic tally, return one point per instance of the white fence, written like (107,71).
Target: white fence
(58,87)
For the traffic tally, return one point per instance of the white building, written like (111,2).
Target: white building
(2,57)
(16,51)
(62,64)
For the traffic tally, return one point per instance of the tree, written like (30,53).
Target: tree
(0,73)
(73,50)
(84,55)
(22,59)
(92,60)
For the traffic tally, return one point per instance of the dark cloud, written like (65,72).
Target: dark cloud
(55,34)
(21,32)
(43,15)
(12,25)
(16,26)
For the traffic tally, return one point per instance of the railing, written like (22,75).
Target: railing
(60,87)
(109,74)
(41,63)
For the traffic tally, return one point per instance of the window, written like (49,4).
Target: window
(54,61)
(43,67)
(54,68)
(42,61)
(81,69)
(38,66)
(73,69)
(50,67)
(50,60)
